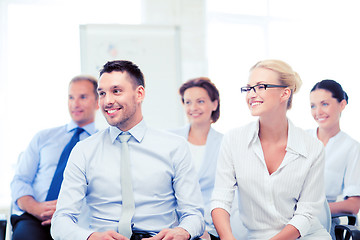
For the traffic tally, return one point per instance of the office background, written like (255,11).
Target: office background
(40,52)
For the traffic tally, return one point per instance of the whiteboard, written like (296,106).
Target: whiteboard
(155,49)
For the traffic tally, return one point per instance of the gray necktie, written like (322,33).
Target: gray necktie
(128,204)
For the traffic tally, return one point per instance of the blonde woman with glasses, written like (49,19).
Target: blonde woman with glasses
(277,167)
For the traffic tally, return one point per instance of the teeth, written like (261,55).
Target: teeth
(111,111)
(255,104)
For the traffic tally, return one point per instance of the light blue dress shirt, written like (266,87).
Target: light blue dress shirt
(38,162)
(206,175)
(166,192)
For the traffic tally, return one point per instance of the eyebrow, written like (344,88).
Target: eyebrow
(261,82)
(112,87)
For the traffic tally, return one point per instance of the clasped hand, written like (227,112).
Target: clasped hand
(166,234)
(44,211)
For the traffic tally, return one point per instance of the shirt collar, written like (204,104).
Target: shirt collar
(254,132)
(295,143)
(89,128)
(138,131)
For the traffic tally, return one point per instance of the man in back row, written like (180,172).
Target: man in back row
(38,177)
(135,188)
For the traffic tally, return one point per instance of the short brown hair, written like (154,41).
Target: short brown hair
(210,88)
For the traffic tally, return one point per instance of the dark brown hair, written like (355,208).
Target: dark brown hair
(125,66)
(210,88)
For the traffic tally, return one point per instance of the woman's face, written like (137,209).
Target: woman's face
(325,109)
(198,105)
(268,100)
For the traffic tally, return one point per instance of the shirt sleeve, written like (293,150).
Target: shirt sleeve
(352,173)
(64,224)
(225,181)
(27,167)
(188,194)
(312,196)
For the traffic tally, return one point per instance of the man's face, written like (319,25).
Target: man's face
(82,102)
(120,100)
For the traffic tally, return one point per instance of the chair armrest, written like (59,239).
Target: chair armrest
(351,217)
(348,230)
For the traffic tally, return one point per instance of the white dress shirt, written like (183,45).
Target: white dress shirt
(342,166)
(293,194)
(166,191)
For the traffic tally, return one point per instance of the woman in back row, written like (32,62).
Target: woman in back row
(201,102)
(277,167)
(342,153)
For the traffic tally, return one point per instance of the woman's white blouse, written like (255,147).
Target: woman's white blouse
(197,154)
(293,194)
(342,166)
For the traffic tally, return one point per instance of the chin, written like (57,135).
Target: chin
(254,113)
(110,121)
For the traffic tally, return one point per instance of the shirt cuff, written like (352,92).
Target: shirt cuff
(351,191)
(219,204)
(301,223)
(194,228)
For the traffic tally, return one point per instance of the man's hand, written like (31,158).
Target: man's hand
(41,210)
(45,211)
(206,236)
(108,235)
(177,233)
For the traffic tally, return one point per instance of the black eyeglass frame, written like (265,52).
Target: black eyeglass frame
(247,89)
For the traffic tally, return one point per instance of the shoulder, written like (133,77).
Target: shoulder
(214,137)
(306,134)
(311,132)
(238,139)
(215,133)
(52,130)
(95,138)
(346,137)
(243,132)
(163,136)
(182,131)
(305,143)
(347,141)
(49,133)
(167,144)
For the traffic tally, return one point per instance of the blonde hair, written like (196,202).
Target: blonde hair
(287,75)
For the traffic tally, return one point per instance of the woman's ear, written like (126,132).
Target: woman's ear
(215,104)
(343,104)
(286,94)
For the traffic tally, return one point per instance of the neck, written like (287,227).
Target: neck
(81,124)
(274,129)
(198,134)
(129,124)
(324,135)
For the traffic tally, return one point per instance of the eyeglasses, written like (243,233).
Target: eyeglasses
(260,87)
